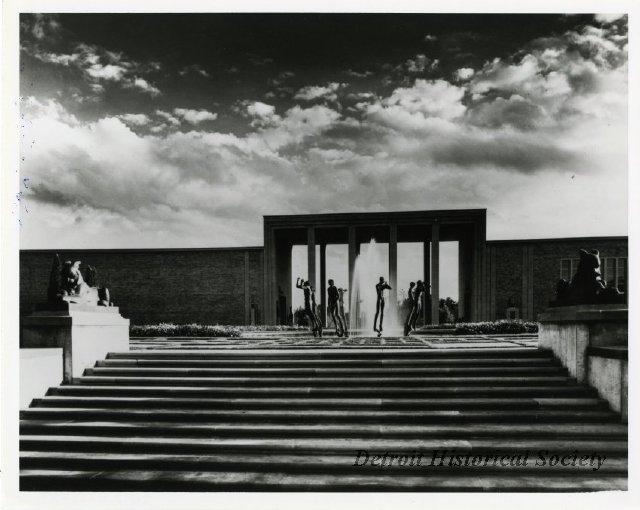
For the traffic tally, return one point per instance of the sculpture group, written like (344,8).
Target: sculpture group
(66,283)
(586,287)
(415,295)
(335,307)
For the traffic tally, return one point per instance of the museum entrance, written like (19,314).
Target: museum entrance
(334,241)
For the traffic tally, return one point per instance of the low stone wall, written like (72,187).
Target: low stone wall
(608,371)
(40,369)
(586,338)
(84,333)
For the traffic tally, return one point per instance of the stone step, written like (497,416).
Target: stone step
(287,419)
(313,446)
(334,365)
(434,332)
(422,463)
(329,384)
(233,392)
(351,374)
(215,430)
(177,481)
(497,415)
(340,405)
(338,354)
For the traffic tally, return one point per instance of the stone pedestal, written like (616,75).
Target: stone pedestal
(40,369)
(592,342)
(569,330)
(86,333)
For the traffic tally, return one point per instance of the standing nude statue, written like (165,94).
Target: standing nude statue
(381,286)
(309,301)
(407,323)
(333,296)
(341,315)
(418,295)
(316,310)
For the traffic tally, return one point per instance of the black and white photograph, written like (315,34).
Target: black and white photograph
(278,253)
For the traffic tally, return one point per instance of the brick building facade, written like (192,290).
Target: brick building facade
(523,274)
(206,286)
(225,285)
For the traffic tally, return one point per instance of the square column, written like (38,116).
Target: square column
(426,278)
(323,284)
(478,311)
(393,271)
(435,273)
(283,279)
(269,291)
(463,271)
(247,290)
(353,253)
(311,256)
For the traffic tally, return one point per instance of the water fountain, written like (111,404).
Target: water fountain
(362,300)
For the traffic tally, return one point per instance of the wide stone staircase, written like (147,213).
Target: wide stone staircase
(296,420)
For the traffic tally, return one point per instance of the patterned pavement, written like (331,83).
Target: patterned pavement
(298,340)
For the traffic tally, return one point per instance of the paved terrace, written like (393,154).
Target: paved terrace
(303,340)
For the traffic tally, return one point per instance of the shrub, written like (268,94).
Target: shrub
(281,327)
(167,329)
(300,317)
(448,311)
(496,328)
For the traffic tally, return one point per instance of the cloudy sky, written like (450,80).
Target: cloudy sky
(151,130)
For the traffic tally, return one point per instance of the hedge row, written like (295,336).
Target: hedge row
(203,330)
(495,328)
(272,328)
(166,329)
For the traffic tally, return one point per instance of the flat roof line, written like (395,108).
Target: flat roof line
(258,248)
(66,250)
(377,213)
(559,239)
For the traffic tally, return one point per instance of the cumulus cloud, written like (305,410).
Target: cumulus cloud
(420,64)
(281,78)
(571,76)
(168,117)
(58,58)
(167,186)
(259,109)
(515,111)
(107,72)
(422,105)
(297,124)
(41,26)
(521,124)
(100,66)
(170,182)
(500,75)
(609,18)
(262,114)
(510,152)
(437,98)
(463,74)
(194,69)
(312,92)
(136,119)
(194,116)
(359,74)
(144,86)
(51,109)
